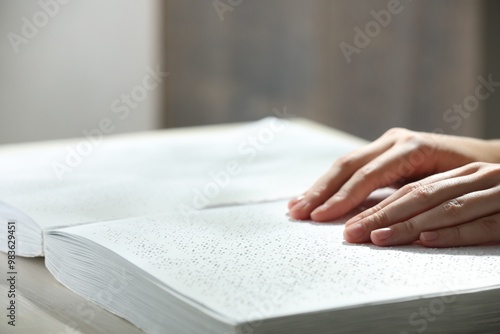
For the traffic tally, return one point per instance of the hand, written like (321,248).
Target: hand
(398,156)
(456,208)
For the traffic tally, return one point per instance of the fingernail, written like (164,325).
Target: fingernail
(382,234)
(321,208)
(295,200)
(292,203)
(355,231)
(300,205)
(299,198)
(429,236)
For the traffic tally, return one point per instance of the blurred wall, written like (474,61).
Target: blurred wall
(64,63)
(239,60)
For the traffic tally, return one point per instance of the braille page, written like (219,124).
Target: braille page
(127,177)
(164,172)
(252,262)
(122,177)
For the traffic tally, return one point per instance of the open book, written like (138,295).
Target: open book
(186,232)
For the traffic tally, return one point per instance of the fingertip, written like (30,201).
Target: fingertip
(324,214)
(430,239)
(321,213)
(301,210)
(382,236)
(355,233)
(329,211)
(298,215)
(429,236)
(294,201)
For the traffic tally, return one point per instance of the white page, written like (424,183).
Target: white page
(164,172)
(135,176)
(252,262)
(123,177)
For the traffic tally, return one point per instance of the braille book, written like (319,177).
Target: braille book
(186,231)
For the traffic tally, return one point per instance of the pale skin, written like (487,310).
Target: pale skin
(451,195)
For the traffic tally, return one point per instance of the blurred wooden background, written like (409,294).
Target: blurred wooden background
(266,54)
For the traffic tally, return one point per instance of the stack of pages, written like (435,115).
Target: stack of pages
(187,232)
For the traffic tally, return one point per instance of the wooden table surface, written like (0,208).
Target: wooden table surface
(44,306)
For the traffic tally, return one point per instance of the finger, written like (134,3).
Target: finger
(421,190)
(341,171)
(382,171)
(294,201)
(450,213)
(423,197)
(478,232)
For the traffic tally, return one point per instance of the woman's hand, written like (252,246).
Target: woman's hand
(456,208)
(398,156)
